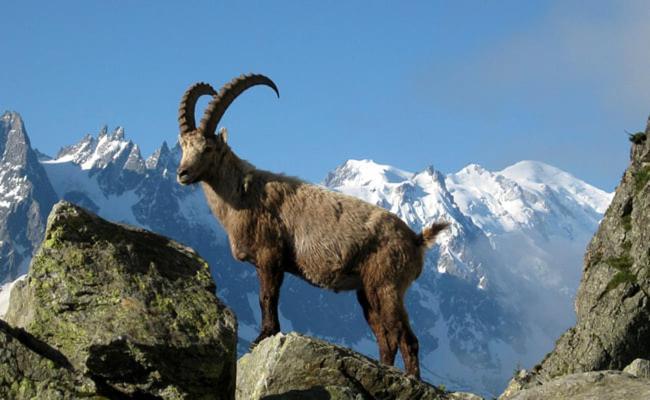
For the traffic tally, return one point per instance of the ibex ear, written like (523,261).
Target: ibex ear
(223,135)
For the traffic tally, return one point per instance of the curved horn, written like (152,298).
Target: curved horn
(186,109)
(227,94)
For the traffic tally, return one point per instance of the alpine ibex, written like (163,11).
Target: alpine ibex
(282,224)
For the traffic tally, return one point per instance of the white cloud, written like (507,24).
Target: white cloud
(599,52)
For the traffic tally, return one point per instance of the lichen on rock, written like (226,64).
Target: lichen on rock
(30,369)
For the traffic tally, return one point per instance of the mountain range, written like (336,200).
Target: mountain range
(494,294)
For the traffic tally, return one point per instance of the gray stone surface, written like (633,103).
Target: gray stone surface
(293,366)
(133,310)
(639,368)
(597,385)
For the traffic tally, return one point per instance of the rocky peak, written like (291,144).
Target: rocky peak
(26,196)
(107,149)
(134,161)
(103,131)
(118,134)
(15,145)
(164,161)
(161,158)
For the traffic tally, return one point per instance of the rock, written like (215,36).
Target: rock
(598,385)
(30,369)
(134,311)
(639,368)
(613,311)
(293,366)
(521,380)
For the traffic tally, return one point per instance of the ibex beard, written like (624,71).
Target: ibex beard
(282,224)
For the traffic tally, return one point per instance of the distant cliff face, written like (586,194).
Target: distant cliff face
(612,305)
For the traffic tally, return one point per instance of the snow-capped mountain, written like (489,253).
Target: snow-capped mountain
(495,293)
(515,247)
(26,198)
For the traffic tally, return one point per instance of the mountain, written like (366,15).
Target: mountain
(503,279)
(494,293)
(26,197)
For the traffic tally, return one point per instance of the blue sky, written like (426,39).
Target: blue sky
(419,83)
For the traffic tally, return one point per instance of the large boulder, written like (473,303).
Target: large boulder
(293,366)
(132,310)
(612,304)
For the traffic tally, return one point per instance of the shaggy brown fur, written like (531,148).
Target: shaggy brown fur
(282,224)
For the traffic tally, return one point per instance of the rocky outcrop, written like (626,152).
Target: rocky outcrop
(293,366)
(596,385)
(132,311)
(612,304)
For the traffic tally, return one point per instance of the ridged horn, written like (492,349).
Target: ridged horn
(227,94)
(186,121)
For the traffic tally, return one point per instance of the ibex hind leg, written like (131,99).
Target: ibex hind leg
(372,315)
(395,322)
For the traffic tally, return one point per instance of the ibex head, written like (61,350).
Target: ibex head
(200,145)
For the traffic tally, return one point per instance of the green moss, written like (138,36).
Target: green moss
(619,278)
(621,263)
(624,275)
(637,138)
(54,238)
(627,222)
(641,178)
(74,257)
(596,258)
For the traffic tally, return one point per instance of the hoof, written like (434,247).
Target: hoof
(261,337)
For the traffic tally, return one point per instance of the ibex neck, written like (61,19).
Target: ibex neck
(224,186)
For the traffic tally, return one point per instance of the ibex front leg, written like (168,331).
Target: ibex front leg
(270,283)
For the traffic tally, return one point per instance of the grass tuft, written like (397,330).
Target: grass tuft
(623,264)
(627,222)
(637,138)
(641,178)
